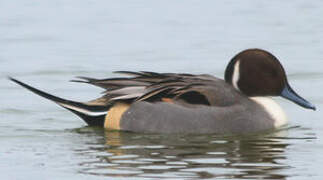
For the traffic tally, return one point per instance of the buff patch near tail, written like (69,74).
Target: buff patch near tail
(114,115)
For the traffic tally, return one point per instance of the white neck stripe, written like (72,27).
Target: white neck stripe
(236,74)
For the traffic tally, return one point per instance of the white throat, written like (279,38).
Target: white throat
(236,75)
(273,109)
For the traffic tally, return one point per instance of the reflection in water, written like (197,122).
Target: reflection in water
(123,154)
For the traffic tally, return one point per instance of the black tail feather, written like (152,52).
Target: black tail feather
(93,115)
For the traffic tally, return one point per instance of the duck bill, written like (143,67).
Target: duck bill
(291,95)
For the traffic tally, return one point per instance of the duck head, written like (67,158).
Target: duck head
(256,72)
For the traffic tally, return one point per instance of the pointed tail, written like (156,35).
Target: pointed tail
(93,115)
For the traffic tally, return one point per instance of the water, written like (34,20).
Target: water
(47,43)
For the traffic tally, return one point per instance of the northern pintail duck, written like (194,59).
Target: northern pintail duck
(185,103)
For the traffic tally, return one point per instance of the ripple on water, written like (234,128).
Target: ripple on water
(188,156)
(14,111)
(121,154)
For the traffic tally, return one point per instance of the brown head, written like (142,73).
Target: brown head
(256,72)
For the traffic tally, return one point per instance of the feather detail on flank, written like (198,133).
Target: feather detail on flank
(273,109)
(236,75)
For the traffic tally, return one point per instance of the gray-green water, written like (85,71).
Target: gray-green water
(46,43)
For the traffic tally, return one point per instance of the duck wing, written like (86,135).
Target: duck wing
(153,87)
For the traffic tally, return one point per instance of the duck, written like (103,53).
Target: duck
(151,102)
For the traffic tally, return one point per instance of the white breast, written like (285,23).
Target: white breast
(273,109)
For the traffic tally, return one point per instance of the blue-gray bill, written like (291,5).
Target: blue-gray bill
(290,94)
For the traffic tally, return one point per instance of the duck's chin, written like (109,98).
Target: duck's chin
(273,109)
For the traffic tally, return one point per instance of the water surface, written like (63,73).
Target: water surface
(46,43)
